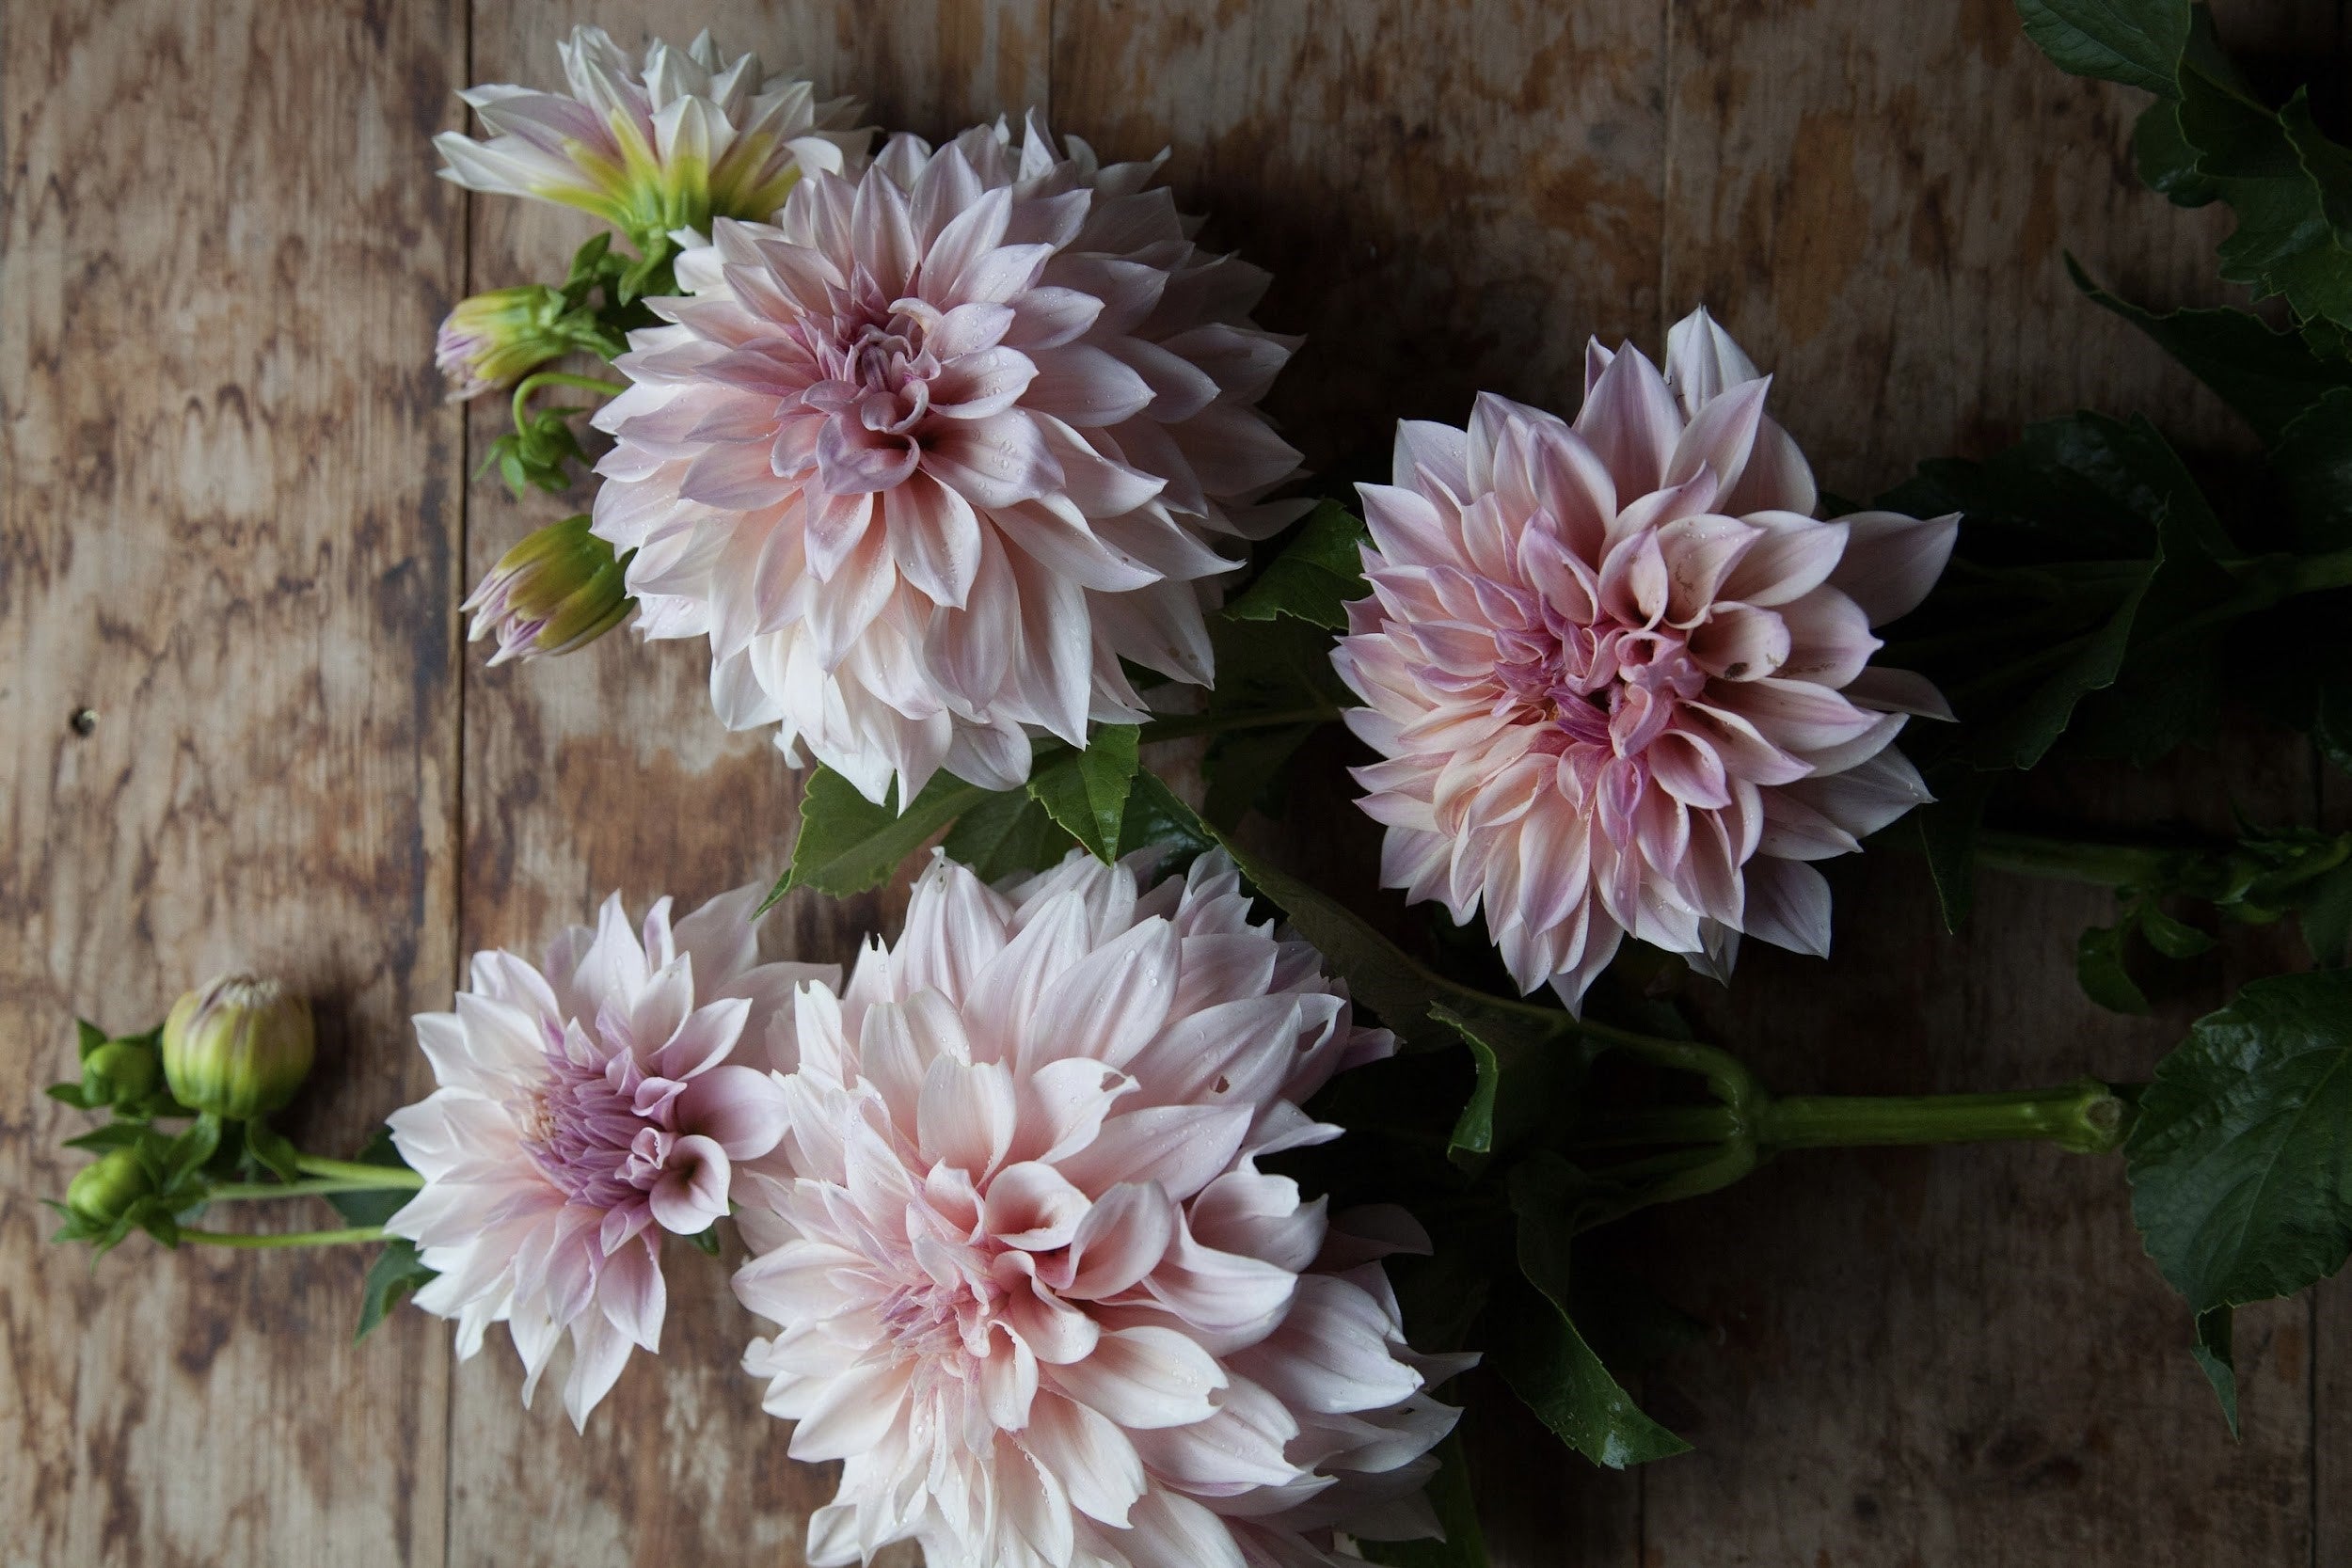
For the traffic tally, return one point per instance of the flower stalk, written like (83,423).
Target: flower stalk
(290,1239)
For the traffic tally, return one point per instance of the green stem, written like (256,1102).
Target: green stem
(295,1238)
(532,383)
(2086,1117)
(367,1176)
(232,1192)
(2072,860)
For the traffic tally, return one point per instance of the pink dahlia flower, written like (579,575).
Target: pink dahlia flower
(584,1109)
(1033,1288)
(1617,671)
(929,457)
(690,137)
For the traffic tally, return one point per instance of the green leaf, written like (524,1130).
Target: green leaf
(115,1134)
(2099,969)
(88,1037)
(186,1153)
(397,1271)
(1454,1499)
(376,1207)
(1318,572)
(1086,792)
(2137,42)
(2269,377)
(2313,462)
(2325,918)
(1537,1347)
(70,1093)
(271,1150)
(1521,1082)
(1244,769)
(1156,818)
(2211,1346)
(848,844)
(2172,937)
(1006,835)
(1947,827)
(2241,1156)
(1274,686)
(706,1241)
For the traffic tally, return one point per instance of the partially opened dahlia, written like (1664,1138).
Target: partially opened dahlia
(929,456)
(690,137)
(584,1109)
(1034,1289)
(1618,673)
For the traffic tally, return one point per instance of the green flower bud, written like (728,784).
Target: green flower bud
(491,340)
(102,1190)
(124,1071)
(238,1047)
(560,588)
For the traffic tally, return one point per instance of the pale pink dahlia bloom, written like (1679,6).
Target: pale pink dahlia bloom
(1034,1289)
(584,1109)
(691,136)
(1616,671)
(929,456)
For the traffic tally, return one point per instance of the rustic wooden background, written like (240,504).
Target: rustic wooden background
(238,518)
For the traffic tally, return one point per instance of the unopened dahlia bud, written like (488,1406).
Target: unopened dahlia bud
(103,1189)
(490,341)
(238,1047)
(559,589)
(124,1072)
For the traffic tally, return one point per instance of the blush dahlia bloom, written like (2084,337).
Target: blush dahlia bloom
(929,456)
(583,1109)
(1617,671)
(690,137)
(1033,1288)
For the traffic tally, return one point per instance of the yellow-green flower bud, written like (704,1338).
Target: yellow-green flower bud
(126,1071)
(102,1190)
(491,340)
(559,589)
(238,1047)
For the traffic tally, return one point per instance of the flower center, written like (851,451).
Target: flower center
(1608,684)
(580,1128)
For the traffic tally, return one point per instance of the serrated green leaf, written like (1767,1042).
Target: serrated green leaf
(398,1270)
(1007,833)
(373,1208)
(2210,1342)
(1156,818)
(2268,376)
(1536,1346)
(2137,42)
(1086,792)
(1454,1501)
(1314,577)
(2172,937)
(2241,1155)
(2099,969)
(847,844)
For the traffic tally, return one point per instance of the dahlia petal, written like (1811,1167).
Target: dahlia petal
(964,1115)
(599,1352)
(1145,1378)
(1720,436)
(1892,560)
(1104,1474)
(1795,556)
(1631,422)
(1167,1529)
(851,1412)
(741,1108)
(994,461)
(934,538)
(1898,691)
(693,1190)
(1180,1146)
(1702,361)
(1084,384)
(1787,906)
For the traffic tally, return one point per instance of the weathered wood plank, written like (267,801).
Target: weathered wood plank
(228,527)
(607,771)
(1955,1356)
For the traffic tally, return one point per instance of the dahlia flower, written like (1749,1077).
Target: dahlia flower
(1034,1289)
(1618,672)
(692,138)
(584,1109)
(929,457)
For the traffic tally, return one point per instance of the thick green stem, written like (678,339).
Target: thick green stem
(295,1238)
(2072,860)
(232,1192)
(2087,1118)
(354,1170)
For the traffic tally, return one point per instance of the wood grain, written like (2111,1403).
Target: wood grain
(229,524)
(237,525)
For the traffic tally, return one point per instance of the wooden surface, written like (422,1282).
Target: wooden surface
(237,522)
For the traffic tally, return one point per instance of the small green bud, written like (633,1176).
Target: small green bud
(559,589)
(102,1190)
(124,1071)
(238,1047)
(491,340)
